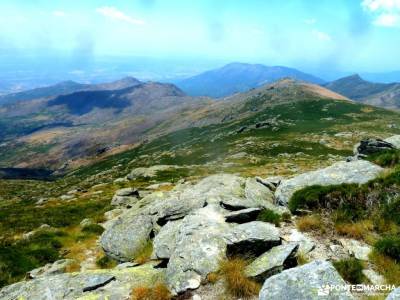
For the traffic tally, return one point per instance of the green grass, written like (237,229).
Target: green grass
(16,259)
(351,270)
(387,158)
(267,215)
(389,246)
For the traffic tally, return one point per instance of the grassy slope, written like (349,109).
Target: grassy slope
(205,150)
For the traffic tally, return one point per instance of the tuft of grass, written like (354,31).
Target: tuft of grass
(357,230)
(387,267)
(158,292)
(389,246)
(93,228)
(310,223)
(301,258)
(106,262)
(212,277)
(144,254)
(351,270)
(236,283)
(268,215)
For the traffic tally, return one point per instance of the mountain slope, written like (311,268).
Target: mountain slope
(379,94)
(66,87)
(238,77)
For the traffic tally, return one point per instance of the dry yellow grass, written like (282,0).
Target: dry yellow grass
(212,278)
(236,283)
(387,267)
(310,223)
(358,230)
(158,292)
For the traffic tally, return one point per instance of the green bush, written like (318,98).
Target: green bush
(16,259)
(93,228)
(350,199)
(351,270)
(268,215)
(391,211)
(390,246)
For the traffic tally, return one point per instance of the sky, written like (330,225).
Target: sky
(344,35)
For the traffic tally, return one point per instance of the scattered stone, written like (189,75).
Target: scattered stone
(272,262)
(359,171)
(85,222)
(149,172)
(308,282)
(306,245)
(373,277)
(356,248)
(58,267)
(67,197)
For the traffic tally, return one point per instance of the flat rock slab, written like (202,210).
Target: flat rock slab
(356,248)
(272,262)
(99,284)
(394,140)
(359,171)
(253,238)
(307,282)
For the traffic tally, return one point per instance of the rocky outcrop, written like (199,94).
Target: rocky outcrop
(125,197)
(149,172)
(359,171)
(394,140)
(242,216)
(306,282)
(272,262)
(356,248)
(371,146)
(99,284)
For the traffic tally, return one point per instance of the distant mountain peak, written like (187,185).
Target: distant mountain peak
(239,77)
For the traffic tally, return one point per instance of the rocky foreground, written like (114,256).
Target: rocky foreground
(195,226)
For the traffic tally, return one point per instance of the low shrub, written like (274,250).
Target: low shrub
(93,228)
(105,262)
(16,259)
(389,246)
(236,283)
(268,215)
(351,270)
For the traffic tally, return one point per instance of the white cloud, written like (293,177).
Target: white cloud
(387,20)
(113,13)
(59,13)
(386,12)
(310,21)
(322,36)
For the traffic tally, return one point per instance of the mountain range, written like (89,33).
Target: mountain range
(378,94)
(239,77)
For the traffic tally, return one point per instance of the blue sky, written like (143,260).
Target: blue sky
(361,35)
